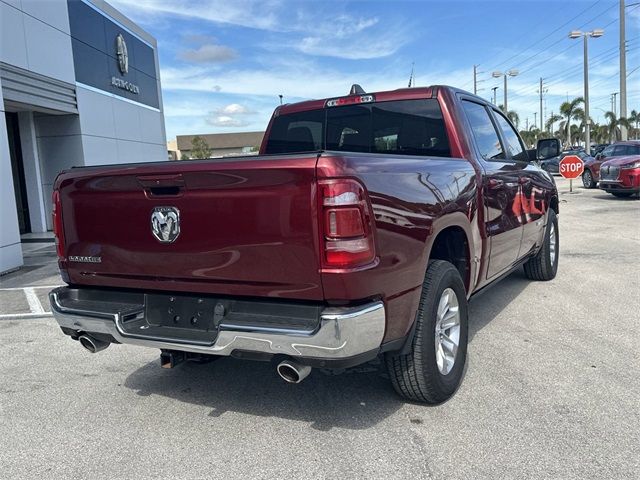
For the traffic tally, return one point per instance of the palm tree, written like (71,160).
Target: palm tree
(552,119)
(571,110)
(634,118)
(614,125)
(511,115)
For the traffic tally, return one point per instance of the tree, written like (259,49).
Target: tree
(551,121)
(200,148)
(184,156)
(571,111)
(511,115)
(614,124)
(634,119)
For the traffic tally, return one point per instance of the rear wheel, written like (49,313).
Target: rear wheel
(433,368)
(544,265)
(587,179)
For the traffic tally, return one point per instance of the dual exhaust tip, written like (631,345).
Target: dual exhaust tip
(289,371)
(293,372)
(92,344)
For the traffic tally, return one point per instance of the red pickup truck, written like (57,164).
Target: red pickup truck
(361,229)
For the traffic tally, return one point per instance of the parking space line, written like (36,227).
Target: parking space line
(19,316)
(32,299)
(9,289)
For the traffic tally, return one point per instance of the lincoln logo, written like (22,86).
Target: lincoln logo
(122,54)
(165,224)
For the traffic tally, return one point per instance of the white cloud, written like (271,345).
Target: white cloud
(227,121)
(209,53)
(234,109)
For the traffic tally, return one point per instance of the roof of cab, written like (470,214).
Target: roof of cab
(383,96)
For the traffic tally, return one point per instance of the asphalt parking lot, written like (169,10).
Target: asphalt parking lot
(551,388)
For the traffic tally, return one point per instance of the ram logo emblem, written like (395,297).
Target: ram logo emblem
(165,224)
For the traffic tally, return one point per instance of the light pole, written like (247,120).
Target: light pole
(509,73)
(494,94)
(585,35)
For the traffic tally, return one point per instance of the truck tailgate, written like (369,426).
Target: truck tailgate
(247,226)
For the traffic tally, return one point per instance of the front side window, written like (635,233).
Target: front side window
(483,131)
(607,152)
(511,138)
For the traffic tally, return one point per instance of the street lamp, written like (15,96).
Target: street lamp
(509,73)
(598,32)
(494,94)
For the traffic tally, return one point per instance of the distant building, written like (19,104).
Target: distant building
(222,144)
(172,150)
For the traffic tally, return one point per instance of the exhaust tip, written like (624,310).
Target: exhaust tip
(293,372)
(92,344)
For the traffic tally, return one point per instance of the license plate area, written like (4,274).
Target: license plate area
(180,311)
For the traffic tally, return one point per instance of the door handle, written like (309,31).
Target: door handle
(524,181)
(495,184)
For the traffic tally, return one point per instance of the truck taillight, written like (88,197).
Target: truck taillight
(58,229)
(347,236)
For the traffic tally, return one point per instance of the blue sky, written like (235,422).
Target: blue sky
(224,63)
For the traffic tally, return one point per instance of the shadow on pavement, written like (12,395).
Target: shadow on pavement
(610,196)
(357,399)
(488,304)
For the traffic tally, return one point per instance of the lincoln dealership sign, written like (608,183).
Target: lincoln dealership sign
(123,84)
(123,65)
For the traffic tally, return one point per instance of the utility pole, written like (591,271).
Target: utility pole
(623,73)
(494,94)
(411,79)
(614,103)
(535,118)
(526,124)
(541,117)
(475,79)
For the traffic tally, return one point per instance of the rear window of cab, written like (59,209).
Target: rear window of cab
(402,127)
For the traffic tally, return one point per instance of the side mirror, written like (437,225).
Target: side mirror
(547,148)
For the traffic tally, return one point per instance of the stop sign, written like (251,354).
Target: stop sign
(571,166)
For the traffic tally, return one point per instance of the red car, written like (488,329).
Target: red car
(620,176)
(592,165)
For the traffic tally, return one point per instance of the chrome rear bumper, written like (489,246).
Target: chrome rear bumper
(341,333)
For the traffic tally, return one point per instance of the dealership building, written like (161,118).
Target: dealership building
(79,85)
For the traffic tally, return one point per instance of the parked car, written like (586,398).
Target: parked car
(596,149)
(361,229)
(591,171)
(592,168)
(620,176)
(552,165)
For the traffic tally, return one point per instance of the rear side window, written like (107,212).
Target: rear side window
(483,131)
(632,150)
(296,132)
(405,127)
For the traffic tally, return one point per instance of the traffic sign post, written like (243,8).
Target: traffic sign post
(571,167)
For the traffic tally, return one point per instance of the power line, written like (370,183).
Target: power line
(524,62)
(547,35)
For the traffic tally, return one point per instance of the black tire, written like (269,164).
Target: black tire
(542,267)
(587,179)
(416,376)
(622,194)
